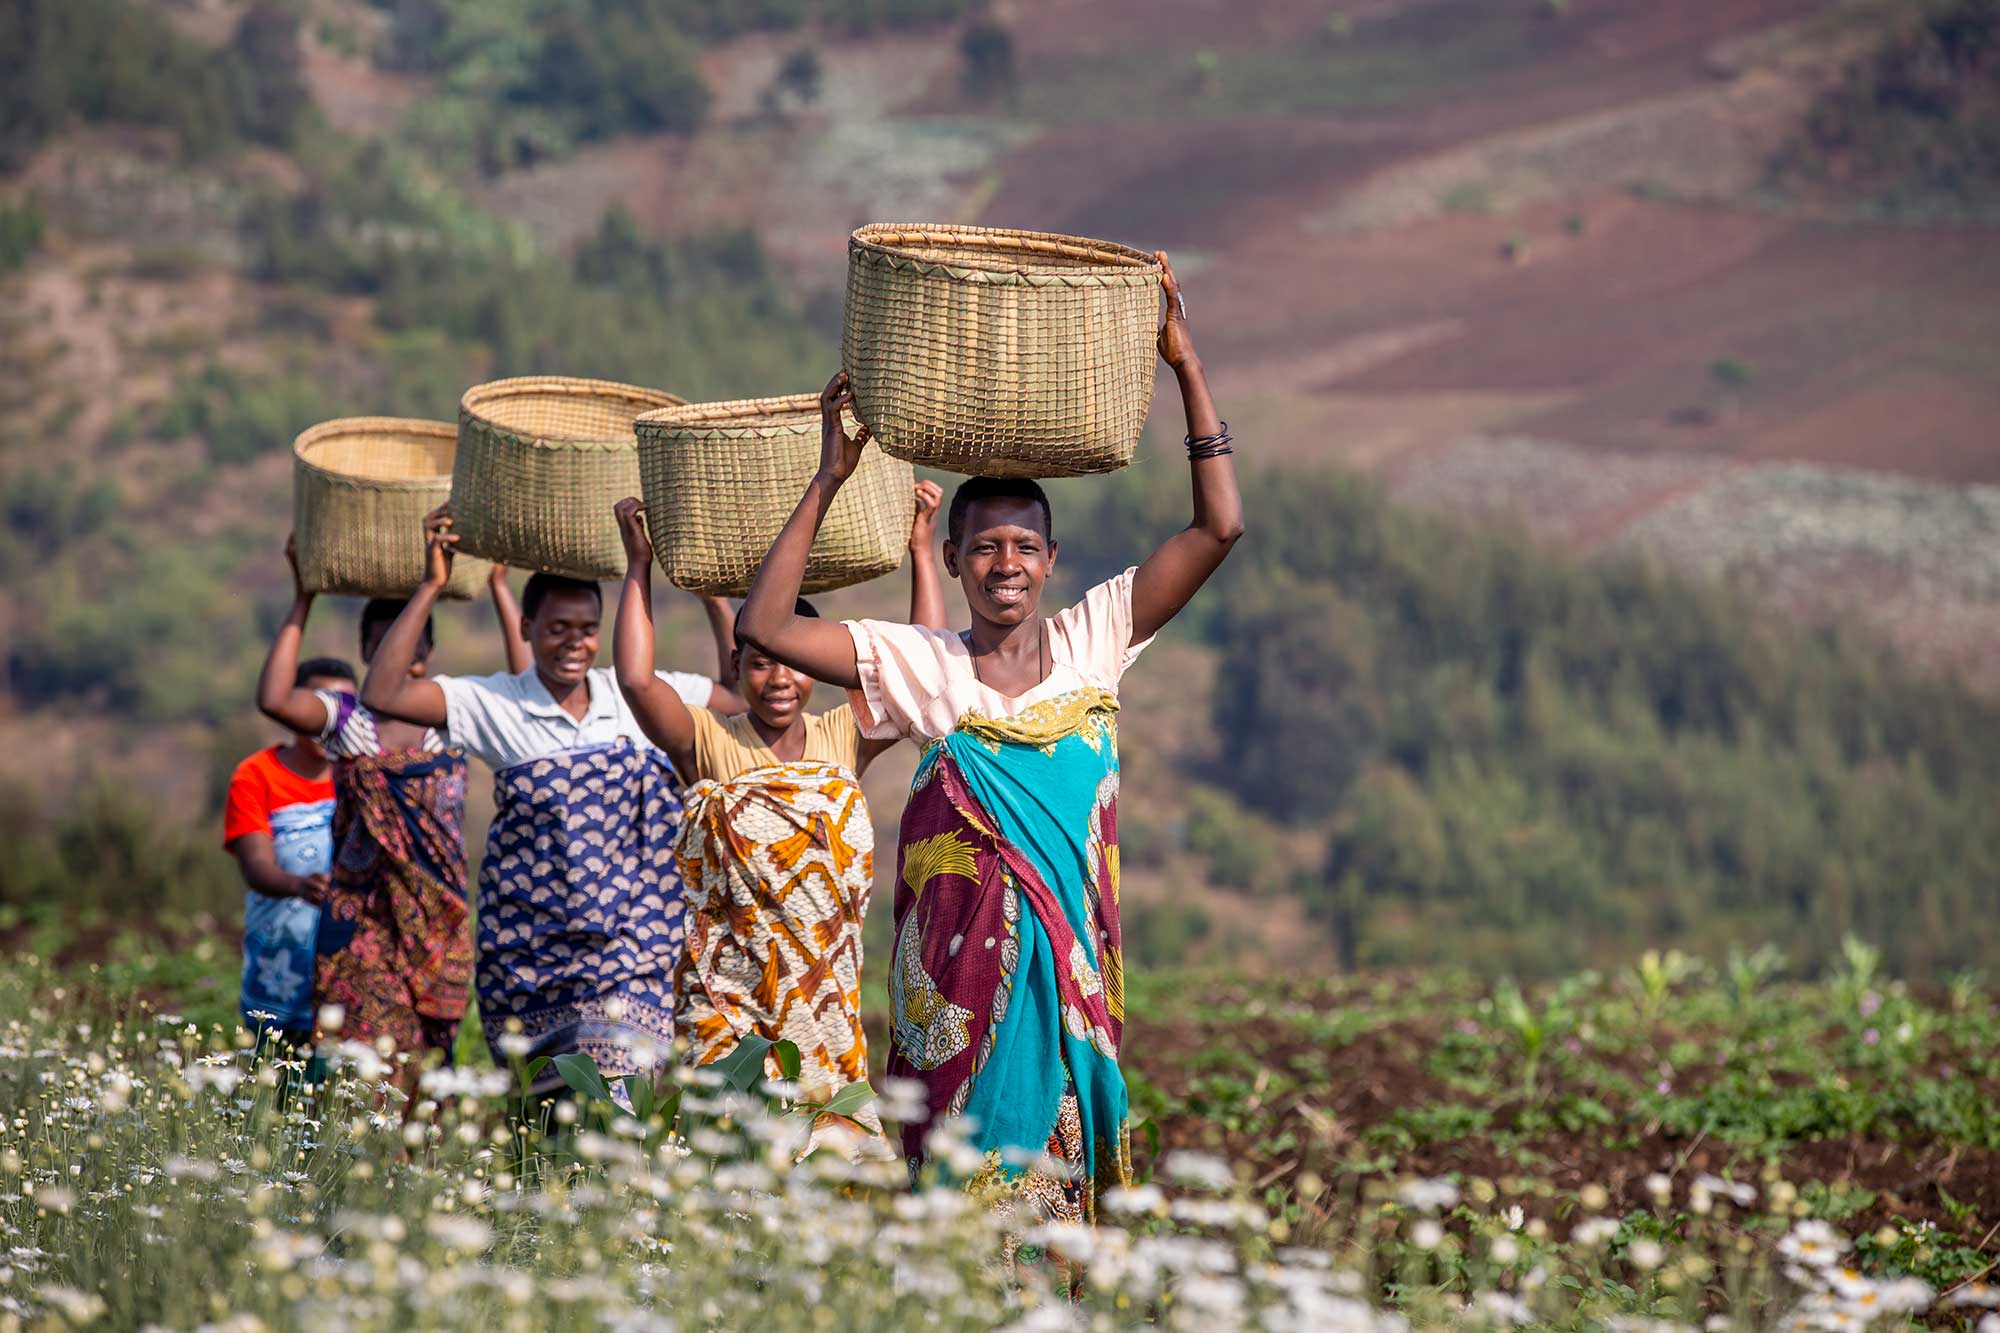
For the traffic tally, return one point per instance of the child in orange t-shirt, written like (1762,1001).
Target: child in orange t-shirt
(278,824)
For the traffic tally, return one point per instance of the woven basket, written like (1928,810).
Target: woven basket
(541,460)
(722,478)
(360,490)
(1000,353)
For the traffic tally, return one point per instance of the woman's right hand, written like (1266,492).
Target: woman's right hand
(631,514)
(299,593)
(439,544)
(310,888)
(839,453)
(923,529)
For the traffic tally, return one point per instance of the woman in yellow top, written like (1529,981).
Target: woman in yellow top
(776,848)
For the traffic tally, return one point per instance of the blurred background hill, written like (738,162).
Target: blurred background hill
(1616,382)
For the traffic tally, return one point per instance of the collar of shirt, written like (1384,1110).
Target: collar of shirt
(538,702)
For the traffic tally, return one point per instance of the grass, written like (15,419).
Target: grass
(1315,1152)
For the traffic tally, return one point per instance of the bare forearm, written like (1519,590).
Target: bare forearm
(722,628)
(926,589)
(769,610)
(822,649)
(1202,418)
(281,664)
(632,644)
(656,707)
(508,612)
(389,674)
(257,863)
(1218,506)
(1171,576)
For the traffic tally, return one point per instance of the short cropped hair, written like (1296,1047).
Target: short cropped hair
(322,668)
(382,611)
(541,586)
(975,489)
(799,608)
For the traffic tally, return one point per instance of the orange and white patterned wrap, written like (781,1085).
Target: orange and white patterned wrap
(778,864)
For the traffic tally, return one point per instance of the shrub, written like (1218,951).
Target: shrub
(21,227)
(987,49)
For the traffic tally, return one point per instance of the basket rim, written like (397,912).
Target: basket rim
(735,418)
(339,426)
(1099,263)
(470,406)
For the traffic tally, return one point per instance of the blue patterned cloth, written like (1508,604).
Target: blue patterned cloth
(580,908)
(278,933)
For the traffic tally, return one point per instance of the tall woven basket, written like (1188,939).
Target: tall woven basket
(360,489)
(541,461)
(722,478)
(1000,353)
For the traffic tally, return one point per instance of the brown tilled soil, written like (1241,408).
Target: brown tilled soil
(1383,1071)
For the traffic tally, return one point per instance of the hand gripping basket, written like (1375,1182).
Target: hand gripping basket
(722,478)
(360,489)
(1000,353)
(541,461)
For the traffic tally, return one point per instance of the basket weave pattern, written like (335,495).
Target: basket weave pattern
(1000,353)
(541,460)
(721,479)
(360,489)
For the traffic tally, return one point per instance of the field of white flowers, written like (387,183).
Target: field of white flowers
(156,1173)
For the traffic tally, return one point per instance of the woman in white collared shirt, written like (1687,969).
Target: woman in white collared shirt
(580,903)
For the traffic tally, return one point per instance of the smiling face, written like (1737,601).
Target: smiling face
(1004,559)
(777,695)
(562,634)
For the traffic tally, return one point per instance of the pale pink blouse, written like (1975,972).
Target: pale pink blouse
(919,682)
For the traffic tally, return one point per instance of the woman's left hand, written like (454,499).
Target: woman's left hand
(1176,341)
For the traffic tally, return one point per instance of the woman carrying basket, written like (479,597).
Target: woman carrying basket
(777,849)
(394,946)
(580,913)
(1007,982)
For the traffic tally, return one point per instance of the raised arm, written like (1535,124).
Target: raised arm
(508,612)
(278,698)
(822,649)
(926,584)
(656,707)
(723,698)
(390,690)
(926,592)
(1173,574)
(722,628)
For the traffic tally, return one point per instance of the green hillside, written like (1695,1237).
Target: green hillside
(1912,128)
(1446,746)
(1515,762)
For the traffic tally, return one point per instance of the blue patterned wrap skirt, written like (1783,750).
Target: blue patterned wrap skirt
(580,908)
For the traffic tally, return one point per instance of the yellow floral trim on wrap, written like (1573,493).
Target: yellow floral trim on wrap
(1089,713)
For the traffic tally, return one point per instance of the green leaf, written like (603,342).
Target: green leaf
(640,1089)
(847,1101)
(580,1072)
(532,1070)
(743,1068)
(789,1062)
